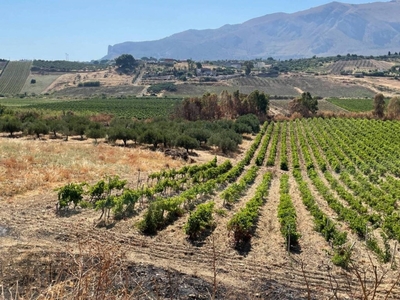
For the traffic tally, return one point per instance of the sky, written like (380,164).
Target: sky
(83,29)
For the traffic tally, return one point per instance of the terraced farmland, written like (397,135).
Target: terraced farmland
(14,76)
(307,197)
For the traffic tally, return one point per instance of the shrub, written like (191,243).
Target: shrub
(200,220)
(89,84)
(70,193)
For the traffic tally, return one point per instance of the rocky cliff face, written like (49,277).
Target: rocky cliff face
(331,29)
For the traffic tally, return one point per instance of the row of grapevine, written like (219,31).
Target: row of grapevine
(323,223)
(243,223)
(261,154)
(287,213)
(357,223)
(164,211)
(356,214)
(368,188)
(184,171)
(201,218)
(235,190)
(360,192)
(274,145)
(284,164)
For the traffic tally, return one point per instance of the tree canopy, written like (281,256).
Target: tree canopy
(306,105)
(248,66)
(125,62)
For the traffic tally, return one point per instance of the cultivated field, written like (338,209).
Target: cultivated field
(139,108)
(334,184)
(14,76)
(362,65)
(41,84)
(294,85)
(354,105)
(195,89)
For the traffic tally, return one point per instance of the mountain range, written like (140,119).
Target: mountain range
(331,29)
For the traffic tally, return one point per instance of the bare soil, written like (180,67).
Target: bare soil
(44,255)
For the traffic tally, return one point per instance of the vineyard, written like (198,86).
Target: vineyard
(65,66)
(354,105)
(291,86)
(361,65)
(140,108)
(14,76)
(306,201)
(3,64)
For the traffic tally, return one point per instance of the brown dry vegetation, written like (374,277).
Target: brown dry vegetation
(46,256)
(38,165)
(106,78)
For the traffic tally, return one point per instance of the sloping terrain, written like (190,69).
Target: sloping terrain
(14,76)
(332,189)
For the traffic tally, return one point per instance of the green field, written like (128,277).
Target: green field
(81,92)
(140,108)
(353,105)
(14,76)
(65,66)
(42,82)
(23,102)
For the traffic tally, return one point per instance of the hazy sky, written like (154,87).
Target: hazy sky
(48,29)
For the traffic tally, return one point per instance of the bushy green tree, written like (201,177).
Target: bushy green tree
(56,125)
(76,125)
(37,127)
(187,142)
(121,133)
(125,62)
(95,131)
(200,134)
(250,120)
(10,124)
(151,136)
(224,142)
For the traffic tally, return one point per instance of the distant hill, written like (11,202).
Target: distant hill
(331,29)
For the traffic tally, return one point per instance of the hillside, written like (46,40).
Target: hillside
(14,76)
(331,29)
(342,204)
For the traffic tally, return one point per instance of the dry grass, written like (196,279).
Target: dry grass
(106,78)
(42,165)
